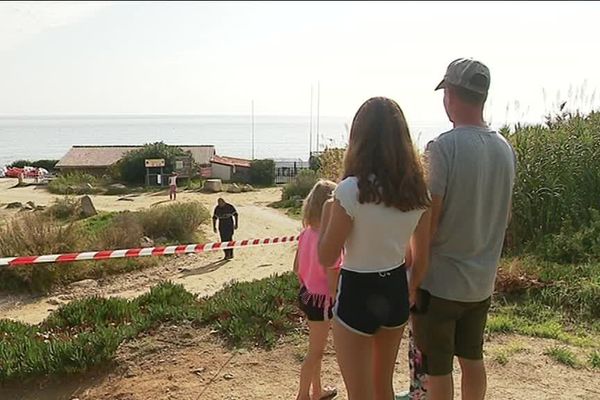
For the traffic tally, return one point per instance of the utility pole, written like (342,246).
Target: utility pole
(311,123)
(318,104)
(253,129)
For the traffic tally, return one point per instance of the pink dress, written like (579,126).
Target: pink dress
(312,273)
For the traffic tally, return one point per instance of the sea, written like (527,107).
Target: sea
(277,137)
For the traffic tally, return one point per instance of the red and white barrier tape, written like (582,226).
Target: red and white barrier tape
(143,252)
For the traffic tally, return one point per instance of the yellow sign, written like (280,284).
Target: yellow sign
(155,162)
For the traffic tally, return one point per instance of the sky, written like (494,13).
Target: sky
(70,58)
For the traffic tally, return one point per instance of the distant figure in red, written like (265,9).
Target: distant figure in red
(173,186)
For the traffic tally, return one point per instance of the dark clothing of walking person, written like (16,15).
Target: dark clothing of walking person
(225,213)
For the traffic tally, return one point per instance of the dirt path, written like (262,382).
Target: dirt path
(184,363)
(201,274)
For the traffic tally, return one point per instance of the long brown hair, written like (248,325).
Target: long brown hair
(381,155)
(313,204)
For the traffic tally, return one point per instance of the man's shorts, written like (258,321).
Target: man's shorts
(446,328)
(369,301)
(316,307)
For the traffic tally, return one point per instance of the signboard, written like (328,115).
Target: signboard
(155,162)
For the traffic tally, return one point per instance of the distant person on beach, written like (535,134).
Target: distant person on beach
(225,213)
(317,291)
(471,176)
(173,186)
(380,207)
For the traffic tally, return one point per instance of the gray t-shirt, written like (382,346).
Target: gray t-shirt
(473,169)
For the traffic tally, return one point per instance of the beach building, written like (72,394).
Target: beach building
(230,169)
(97,160)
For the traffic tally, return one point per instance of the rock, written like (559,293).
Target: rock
(40,208)
(53,302)
(247,188)
(89,186)
(15,204)
(87,207)
(85,284)
(145,241)
(124,199)
(213,185)
(27,207)
(234,188)
(116,188)
(228,376)
(198,371)
(31,204)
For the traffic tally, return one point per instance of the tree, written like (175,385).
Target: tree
(132,168)
(262,172)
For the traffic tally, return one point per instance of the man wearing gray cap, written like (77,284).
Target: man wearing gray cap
(471,176)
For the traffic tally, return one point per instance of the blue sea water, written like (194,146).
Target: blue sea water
(41,137)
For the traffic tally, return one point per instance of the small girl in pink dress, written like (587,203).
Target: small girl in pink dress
(317,291)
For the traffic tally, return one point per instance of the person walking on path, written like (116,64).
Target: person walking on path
(471,177)
(378,208)
(225,213)
(173,186)
(317,291)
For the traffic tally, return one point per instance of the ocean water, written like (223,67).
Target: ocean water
(274,136)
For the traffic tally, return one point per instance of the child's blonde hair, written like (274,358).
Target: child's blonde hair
(313,204)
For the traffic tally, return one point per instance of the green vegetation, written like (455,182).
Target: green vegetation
(502,355)
(87,332)
(555,203)
(563,355)
(46,164)
(594,359)
(177,222)
(262,172)
(45,233)
(258,312)
(300,186)
(75,183)
(131,167)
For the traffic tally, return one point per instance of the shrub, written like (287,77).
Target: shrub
(46,164)
(35,234)
(557,183)
(262,172)
(74,183)
(123,231)
(301,185)
(331,164)
(259,312)
(572,245)
(131,167)
(87,332)
(65,208)
(178,222)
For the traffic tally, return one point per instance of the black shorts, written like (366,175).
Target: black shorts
(316,307)
(369,301)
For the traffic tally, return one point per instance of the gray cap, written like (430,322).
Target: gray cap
(467,73)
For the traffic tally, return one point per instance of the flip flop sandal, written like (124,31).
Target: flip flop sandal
(329,394)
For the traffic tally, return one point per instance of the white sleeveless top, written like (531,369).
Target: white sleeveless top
(379,235)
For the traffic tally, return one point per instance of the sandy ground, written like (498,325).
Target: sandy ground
(202,274)
(190,364)
(181,362)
